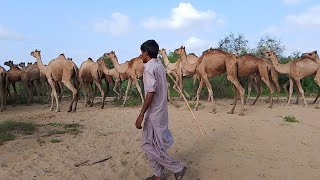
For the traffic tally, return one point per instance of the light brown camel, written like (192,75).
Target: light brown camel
(3,88)
(296,70)
(91,72)
(186,67)
(172,69)
(118,77)
(43,70)
(33,74)
(214,63)
(15,74)
(134,70)
(249,65)
(60,70)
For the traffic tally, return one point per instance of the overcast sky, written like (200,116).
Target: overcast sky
(83,29)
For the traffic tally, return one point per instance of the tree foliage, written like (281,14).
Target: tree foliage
(236,44)
(107,61)
(269,43)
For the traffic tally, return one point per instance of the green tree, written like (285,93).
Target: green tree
(107,61)
(236,44)
(269,43)
(173,57)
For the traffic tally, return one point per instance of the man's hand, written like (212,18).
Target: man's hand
(139,121)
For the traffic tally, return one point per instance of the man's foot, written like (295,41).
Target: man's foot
(179,175)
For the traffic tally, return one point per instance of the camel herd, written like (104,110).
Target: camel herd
(62,71)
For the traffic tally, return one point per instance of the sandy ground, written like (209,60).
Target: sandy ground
(257,146)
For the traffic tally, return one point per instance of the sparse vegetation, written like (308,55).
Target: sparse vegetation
(290,119)
(8,129)
(54,140)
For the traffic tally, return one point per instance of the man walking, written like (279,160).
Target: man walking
(156,137)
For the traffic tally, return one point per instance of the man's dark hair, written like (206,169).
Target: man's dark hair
(150,46)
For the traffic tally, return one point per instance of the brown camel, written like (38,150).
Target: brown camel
(60,70)
(134,70)
(33,74)
(186,67)
(118,77)
(296,70)
(15,74)
(91,72)
(43,70)
(3,88)
(214,63)
(249,65)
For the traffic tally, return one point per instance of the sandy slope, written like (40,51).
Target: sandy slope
(257,146)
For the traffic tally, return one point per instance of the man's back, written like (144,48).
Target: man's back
(154,79)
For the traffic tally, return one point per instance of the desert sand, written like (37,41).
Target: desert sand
(259,145)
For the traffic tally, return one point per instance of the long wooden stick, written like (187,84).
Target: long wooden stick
(185,100)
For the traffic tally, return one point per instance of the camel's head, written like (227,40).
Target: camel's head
(269,53)
(180,50)
(35,53)
(311,55)
(22,64)
(8,63)
(69,58)
(110,55)
(29,63)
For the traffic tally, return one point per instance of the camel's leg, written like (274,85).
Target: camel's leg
(266,80)
(290,91)
(37,89)
(297,93)
(276,83)
(259,92)
(26,86)
(17,100)
(2,88)
(235,99)
(315,100)
(93,94)
(54,95)
(317,80)
(209,87)
(136,83)
(194,81)
(120,90)
(181,86)
(127,90)
(198,94)
(74,91)
(115,88)
(285,88)
(298,83)
(168,92)
(250,79)
(240,91)
(61,90)
(102,94)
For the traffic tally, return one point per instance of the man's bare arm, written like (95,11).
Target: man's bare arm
(147,102)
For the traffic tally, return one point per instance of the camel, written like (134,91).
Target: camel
(118,78)
(3,88)
(312,55)
(15,74)
(248,65)
(33,74)
(43,79)
(184,67)
(134,70)
(91,72)
(214,63)
(60,70)
(296,70)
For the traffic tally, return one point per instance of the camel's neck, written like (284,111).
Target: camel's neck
(117,66)
(317,59)
(186,65)
(165,59)
(41,66)
(104,68)
(281,68)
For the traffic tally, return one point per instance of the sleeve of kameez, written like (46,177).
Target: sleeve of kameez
(151,82)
